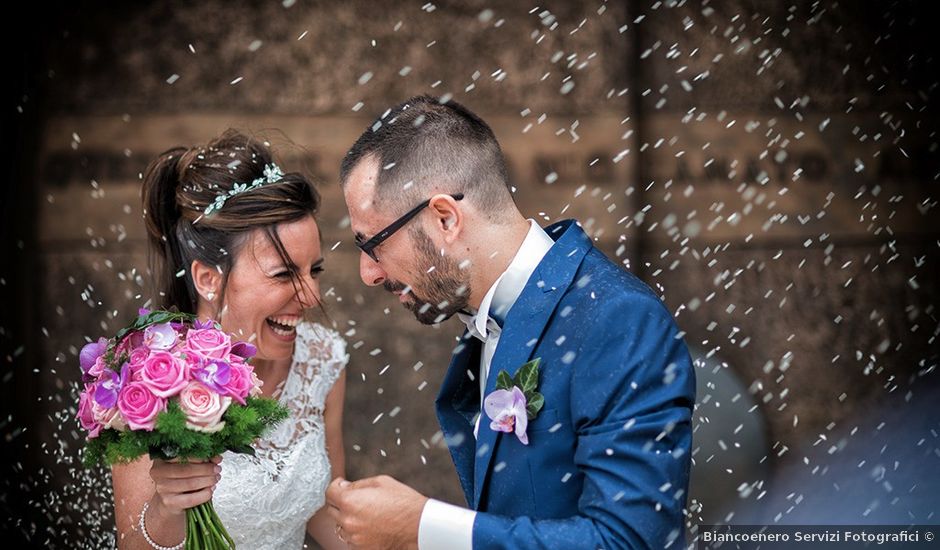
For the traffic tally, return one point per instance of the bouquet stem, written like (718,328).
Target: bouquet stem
(204,529)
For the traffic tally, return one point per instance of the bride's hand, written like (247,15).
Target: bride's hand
(183,485)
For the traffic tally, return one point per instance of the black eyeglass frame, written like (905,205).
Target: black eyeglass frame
(368,247)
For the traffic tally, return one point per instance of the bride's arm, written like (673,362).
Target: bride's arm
(168,489)
(321,526)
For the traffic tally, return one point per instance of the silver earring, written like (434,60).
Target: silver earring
(210,296)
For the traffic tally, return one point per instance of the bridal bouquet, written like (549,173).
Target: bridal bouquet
(175,388)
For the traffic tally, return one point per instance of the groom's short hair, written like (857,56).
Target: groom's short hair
(428,144)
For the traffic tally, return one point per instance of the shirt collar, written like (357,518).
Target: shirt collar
(509,285)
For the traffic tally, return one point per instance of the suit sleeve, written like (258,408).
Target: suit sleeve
(632,393)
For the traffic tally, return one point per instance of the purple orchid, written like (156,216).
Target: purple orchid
(507,409)
(106,394)
(198,325)
(244,350)
(161,336)
(90,353)
(143,311)
(214,374)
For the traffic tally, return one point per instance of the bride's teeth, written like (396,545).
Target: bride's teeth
(286,321)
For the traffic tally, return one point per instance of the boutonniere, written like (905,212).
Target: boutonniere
(515,401)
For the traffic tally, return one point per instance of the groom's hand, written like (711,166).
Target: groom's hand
(376,512)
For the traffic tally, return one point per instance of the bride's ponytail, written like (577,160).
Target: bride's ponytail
(161,216)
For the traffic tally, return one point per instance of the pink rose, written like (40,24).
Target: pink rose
(256,384)
(240,382)
(163,373)
(86,416)
(208,343)
(138,356)
(203,407)
(108,418)
(135,362)
(140,406)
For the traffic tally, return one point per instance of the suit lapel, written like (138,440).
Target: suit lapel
(523,328)
(457,403)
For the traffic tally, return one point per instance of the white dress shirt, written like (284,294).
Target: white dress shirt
(445,526)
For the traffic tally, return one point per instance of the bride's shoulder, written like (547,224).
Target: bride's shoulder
(318,343)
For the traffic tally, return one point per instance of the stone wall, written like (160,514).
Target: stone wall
(771,170)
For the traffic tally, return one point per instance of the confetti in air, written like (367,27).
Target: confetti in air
(768,169)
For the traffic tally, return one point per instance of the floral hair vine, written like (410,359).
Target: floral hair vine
(272,174)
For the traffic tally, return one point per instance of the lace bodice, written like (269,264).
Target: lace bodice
(266,500)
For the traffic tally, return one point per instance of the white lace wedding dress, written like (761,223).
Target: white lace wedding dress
(265,500)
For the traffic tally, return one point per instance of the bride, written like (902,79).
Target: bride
(235,240)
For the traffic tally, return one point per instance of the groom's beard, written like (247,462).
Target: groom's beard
(442,293)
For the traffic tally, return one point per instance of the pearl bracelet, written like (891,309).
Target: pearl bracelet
(143,531)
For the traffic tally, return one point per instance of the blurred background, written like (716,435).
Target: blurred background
(769,168)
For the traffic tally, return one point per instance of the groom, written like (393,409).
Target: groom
(603,462)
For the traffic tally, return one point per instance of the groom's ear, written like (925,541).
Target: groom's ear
(448,218)
(207,280)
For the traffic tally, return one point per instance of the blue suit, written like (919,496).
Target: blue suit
(607,465)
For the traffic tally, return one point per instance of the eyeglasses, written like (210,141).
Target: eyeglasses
(369,246)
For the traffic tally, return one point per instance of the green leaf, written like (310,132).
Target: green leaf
(154,318)
(503,381)
(534,405)
(528,376)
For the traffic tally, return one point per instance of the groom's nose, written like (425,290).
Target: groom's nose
(370,271)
